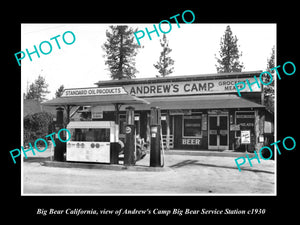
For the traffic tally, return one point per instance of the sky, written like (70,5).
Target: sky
(82,64)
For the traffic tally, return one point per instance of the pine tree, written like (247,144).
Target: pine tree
(165,61)
(59,91)
(268,90)
(121,49)
(38,89)
(271,60)
(229,54)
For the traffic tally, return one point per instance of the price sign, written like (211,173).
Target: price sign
(245,137)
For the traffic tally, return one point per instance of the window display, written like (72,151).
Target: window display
(192,126)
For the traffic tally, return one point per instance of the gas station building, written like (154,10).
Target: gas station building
(198,112)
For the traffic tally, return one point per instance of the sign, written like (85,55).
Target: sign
(174,112)
(245,116)
(154,130)
(261,138)
(97,112)
(190,141)
(246,120)
(99,152)
(245,137)
(128,130)
(189,87)
(94,91)
(204,122)
(163,117)
(234,127)
(97,115)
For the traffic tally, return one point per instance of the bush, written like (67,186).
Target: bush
(37,125)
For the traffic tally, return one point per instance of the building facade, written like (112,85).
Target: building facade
(198,112)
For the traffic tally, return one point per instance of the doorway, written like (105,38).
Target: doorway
(218,134)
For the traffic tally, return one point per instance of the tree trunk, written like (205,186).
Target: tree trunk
(121,57)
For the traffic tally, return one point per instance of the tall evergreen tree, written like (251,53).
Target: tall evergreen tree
(229,54)
(165,61)
(121,49)
(38,89)
(59,91)
(269,90)
(271,60)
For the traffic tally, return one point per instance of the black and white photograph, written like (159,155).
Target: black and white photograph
(143,109)
(125,111)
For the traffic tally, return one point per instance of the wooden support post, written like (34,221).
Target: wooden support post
(60,147)
(155,129)
(168,131)
(117,111)
(68,108)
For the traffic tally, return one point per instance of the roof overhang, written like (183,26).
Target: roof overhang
(123,99)
(228,101)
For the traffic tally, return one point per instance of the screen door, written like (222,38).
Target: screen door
(218,137)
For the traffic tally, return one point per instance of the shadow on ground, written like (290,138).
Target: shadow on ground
(195,162)
(36,159)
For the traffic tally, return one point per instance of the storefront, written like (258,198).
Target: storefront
(198,112)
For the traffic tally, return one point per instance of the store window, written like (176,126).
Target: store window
(245,120)
(90,134)
(192,126)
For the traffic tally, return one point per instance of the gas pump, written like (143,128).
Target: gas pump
(129,150)
(155,132)
(93,141)
(60,147)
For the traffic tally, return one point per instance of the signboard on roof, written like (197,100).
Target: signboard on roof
(93,91)
(166,89)
(190,87)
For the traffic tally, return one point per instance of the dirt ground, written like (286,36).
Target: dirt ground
(184,174)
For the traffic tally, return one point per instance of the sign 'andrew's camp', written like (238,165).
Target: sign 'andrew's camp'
(186,87)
